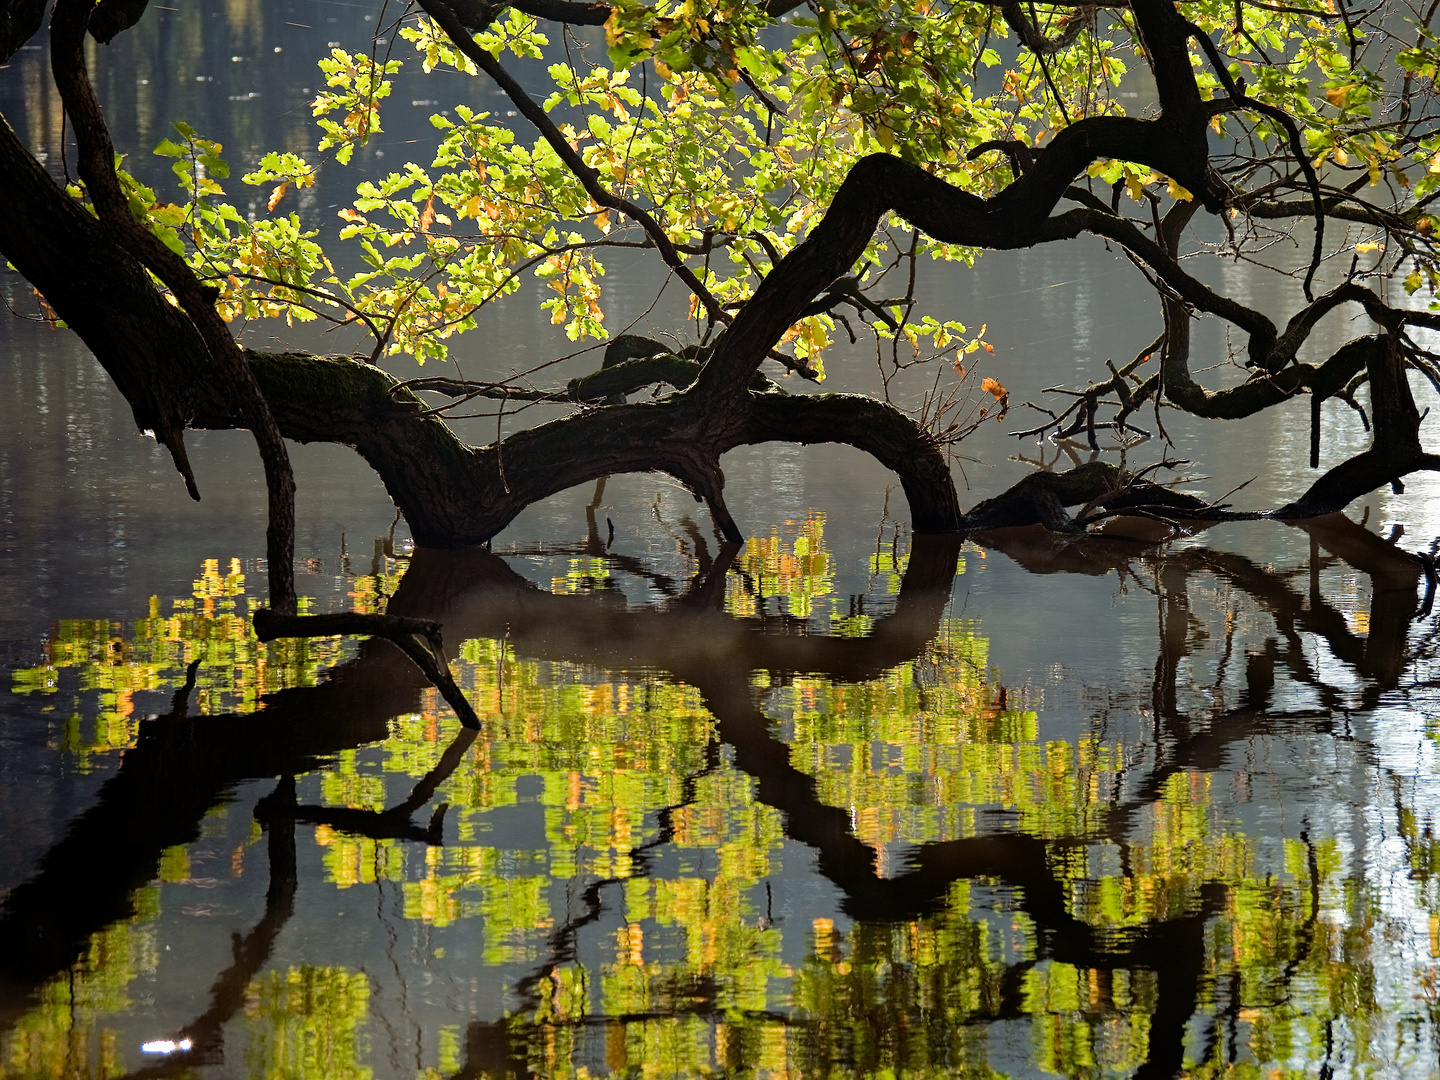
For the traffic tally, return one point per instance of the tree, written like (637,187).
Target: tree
(787,164)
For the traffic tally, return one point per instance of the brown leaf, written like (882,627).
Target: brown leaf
(1000,394)
(47,313)
(276,196)
(427,216)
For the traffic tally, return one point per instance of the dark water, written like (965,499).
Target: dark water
(846,802)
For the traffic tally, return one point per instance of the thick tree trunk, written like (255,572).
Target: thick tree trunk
(454,495)
(103,293)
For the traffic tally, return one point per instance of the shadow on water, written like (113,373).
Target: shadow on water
(182,767)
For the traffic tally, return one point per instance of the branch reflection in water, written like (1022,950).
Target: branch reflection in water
(637,865)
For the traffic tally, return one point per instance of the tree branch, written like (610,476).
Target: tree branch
(445,16)
(96,165)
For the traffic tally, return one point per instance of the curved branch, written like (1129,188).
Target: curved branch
(875,427)
(1241,100)
(1395,450)
(1193,291)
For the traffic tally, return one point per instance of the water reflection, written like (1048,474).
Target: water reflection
(704,836)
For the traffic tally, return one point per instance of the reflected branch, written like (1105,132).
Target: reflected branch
(390,824)
(252,952)
(181,768)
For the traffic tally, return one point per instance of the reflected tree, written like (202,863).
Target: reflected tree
(1088,905)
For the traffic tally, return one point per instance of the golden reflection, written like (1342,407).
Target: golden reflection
(211,625)
(246,19)
(633,844)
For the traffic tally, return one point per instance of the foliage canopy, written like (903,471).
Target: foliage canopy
(791,166)
(731,128)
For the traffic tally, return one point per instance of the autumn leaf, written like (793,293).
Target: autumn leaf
(47,312)
(427,216)
(1000,394)
(277,195)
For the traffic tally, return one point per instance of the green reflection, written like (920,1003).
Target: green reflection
(628,855)
(307,1022)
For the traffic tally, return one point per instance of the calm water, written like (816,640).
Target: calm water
(845,802)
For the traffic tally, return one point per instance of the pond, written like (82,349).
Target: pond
(844,801)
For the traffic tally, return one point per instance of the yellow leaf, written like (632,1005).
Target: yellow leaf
(427,216)
(1179,193)
(277,195)
(1336,95)
(1367,247)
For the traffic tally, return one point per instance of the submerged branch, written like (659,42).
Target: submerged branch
(403,633)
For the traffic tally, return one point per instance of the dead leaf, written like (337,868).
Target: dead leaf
(47,312)
(1000,394)
(427,216)
(276,196)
